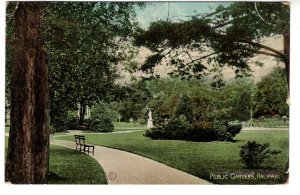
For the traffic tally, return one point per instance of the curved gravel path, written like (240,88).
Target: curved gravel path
(126,168)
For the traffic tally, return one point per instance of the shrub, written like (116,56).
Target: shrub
(155,133)
(202,135)
(200,131)
(102,118)
(101,125)
(254,154)
(224,136)
(59,125)
(72,123)
(175,129)
(63,124)
(234,128)
(285,118)
(65,121)
(203,124)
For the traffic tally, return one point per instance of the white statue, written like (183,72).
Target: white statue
(150,120)
(150,115)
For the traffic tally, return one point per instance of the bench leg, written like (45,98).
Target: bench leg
(87,149)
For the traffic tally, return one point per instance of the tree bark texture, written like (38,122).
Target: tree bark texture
(286,49)
(286,44)
(28,146)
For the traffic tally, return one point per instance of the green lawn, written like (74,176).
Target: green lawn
(202,159)
(270,122)
(124,126)
(6,129)
(73,167)
(69,166)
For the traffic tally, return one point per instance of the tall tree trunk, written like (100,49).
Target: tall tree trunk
(82,113)
(286,44)
(28,145)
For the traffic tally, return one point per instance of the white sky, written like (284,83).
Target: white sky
(177,10)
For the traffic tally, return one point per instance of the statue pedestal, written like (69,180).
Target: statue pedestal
(150,124)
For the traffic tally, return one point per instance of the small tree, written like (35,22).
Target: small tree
(254,154)
(102,118)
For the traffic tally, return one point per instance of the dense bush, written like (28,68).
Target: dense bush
(202,131)
(101,125)
(254,154)
(65,121)
(234,128)
(101,119)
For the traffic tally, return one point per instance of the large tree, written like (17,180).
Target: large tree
(28,144)
(86,41)
(229,36)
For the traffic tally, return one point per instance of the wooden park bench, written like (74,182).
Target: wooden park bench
(82,146)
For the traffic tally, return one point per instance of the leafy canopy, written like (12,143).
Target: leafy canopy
(229,36)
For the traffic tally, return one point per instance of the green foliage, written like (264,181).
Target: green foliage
(224,37)
(271,95)
(230,102)
(175,129)
(167,94)
(254,154)
(102,109)
(185,108)
(234,128)
(200,131)
(101,125)
(66,120)
(236,99)
(101,118)
(134,105)
(270,122)
(83,43)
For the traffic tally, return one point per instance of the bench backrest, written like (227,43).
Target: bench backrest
(79,139)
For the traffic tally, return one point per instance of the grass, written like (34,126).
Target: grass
(203,159)
(72,167)
(6,129)
(270,122)
(124,126)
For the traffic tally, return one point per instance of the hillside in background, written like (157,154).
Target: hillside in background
(261,65)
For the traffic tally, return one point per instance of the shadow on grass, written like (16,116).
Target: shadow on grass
(69,166)
(54,177)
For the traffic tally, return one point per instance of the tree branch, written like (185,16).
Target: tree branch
(202,57)
(279,54)
(203,16)
(222,24)
(189,55)
(262,52)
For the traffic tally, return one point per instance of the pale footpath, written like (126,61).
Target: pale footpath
(123,167)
